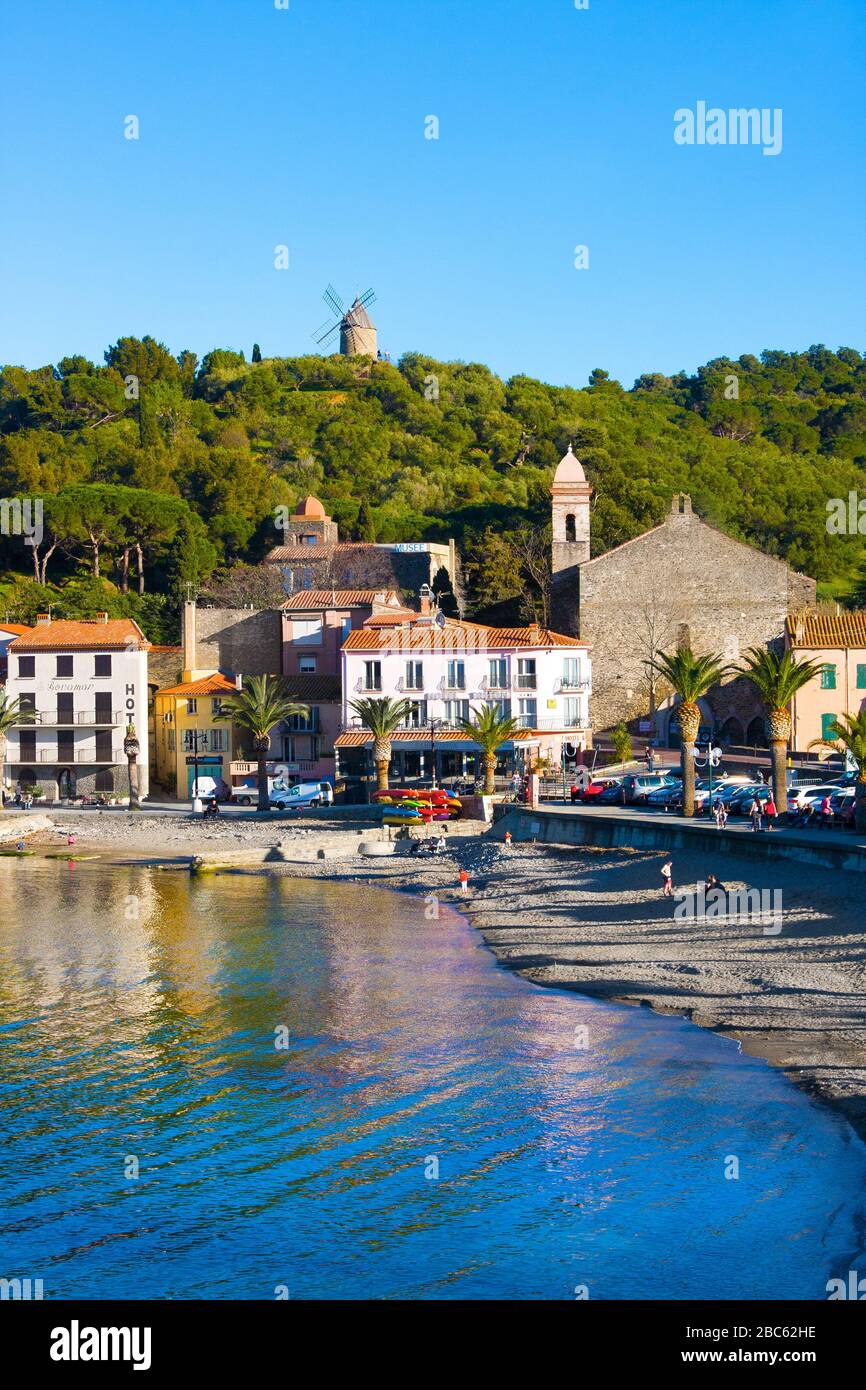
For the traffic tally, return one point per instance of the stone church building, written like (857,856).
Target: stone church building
(682,582)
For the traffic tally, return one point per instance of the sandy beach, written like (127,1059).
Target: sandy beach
(791,990)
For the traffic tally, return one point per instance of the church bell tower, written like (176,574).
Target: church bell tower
(570,496)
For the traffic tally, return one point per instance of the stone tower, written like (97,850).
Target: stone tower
(570,494)
(358,333)
(310,525)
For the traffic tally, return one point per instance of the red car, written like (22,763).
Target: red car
(596,787)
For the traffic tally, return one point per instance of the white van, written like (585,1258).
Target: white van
(302,794)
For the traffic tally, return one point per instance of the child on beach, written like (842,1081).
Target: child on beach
(667,874)
(464,881)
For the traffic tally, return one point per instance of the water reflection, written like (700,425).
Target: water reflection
(433,1126)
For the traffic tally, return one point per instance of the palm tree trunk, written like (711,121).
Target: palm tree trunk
(779,756)
(262,764)
(2,770)
(489,773)
(687,767)
(382,765)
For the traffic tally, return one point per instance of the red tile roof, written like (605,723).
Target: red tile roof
(340,598)
(17,628)
(62,634)
(827,629)
(357,738)
(453,635)
(207,685)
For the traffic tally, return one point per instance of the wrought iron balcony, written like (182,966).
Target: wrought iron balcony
(76,719)
(61,756)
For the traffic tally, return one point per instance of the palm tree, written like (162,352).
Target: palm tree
(489,728)
(381,716)
(777,677)
(691,676)
(12,712)
(258,708)
(849,736)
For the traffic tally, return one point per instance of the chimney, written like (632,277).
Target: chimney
(42,619)
(239,682)
(424,596)
(102,617)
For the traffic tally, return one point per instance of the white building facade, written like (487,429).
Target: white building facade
(447,669)
(85,682)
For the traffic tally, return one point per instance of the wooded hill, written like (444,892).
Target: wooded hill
(157,471)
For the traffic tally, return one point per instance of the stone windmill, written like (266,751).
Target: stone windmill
(356,328)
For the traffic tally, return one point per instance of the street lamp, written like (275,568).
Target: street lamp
(131,749)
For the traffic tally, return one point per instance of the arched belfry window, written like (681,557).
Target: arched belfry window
(570,527)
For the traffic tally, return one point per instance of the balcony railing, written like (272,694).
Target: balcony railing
(53,719)
(566,685)
(62,756)
(525,682)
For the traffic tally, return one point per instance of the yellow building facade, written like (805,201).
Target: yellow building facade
(190,740)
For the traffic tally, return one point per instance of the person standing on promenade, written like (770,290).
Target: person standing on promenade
(826,813)
(721,814)
(770,809)
(756,811)
(667,871)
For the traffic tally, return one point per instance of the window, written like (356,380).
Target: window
(27,745)
(497,677)
(346,629)
(218,740)
(372,675)
(456,710)
(572,713)
(861,677)
(26,667)
(104,782)
(64,666)
(828,677)
(570,671)
(414,675)
(27,702)
(827,720)
(216,705)
(528,714)
(416,717)
(526,673)
(570,528)
(102,664)
(192,706)
(456,675)
(307,665)
(304,723)
(502,707)
(288,749)
(308,540)
(307,630)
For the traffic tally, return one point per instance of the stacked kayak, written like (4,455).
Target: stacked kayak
(401,807)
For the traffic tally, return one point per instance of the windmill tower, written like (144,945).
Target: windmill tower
(356,328)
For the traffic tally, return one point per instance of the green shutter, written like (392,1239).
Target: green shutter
(861,677)
(828,678)
(826,721)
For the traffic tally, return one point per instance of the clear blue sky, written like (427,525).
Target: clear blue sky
(306,127)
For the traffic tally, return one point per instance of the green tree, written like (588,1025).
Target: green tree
(777,676)
(690,677)
(381,717)
(849,736)
(258,708)
(257,353)
(622,744)
(489,728)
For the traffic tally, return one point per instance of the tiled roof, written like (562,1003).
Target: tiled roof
(357,738)
(340,598)
(454,636)
(217,684)
(827,629)
(303,554)
(18,628)
(311,686)
(63,634)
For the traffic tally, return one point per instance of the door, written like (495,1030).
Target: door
(66,783)
(103,707)
(103,746)
(65,708)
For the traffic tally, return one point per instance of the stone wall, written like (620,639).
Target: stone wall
(684,581)
(246,641)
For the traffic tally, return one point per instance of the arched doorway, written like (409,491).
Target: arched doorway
(65,784)
(570,527)
(731,731)
(756,734)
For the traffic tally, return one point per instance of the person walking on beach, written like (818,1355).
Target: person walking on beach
(667,871)
(756,811)
(508,839)
(464,881)
(721,814)
(771,812)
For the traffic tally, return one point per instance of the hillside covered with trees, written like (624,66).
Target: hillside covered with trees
(156,471)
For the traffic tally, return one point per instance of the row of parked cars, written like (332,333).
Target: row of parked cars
(736,791)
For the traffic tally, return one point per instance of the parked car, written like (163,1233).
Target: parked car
(661,796)
(741,804)
(597,786)
(842,805)
(638,785)
(802,793)
(302,794)
(610,795)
